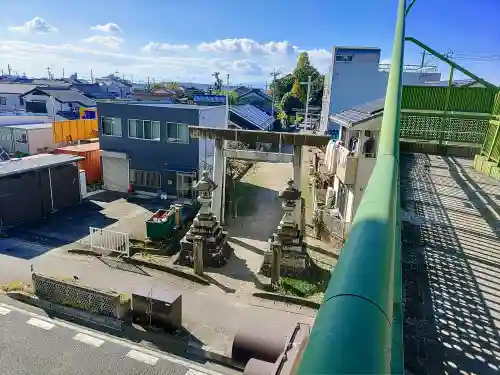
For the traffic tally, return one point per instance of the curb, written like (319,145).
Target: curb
(100,320)
(288,299)
(83,252)
(210,354)
(169,269)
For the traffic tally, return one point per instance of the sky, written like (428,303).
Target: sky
(188,40)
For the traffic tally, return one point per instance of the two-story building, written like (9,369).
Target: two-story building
(356,76)
(146,147)
(10,96)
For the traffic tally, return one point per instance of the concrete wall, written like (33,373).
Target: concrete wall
(213,117)
(152,155)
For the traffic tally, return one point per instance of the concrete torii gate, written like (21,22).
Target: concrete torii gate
(298,140)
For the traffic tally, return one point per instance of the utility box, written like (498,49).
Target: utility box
(161,308)
(161,225)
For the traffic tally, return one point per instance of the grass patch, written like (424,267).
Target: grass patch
(16,285)
(316,282)
(243,198)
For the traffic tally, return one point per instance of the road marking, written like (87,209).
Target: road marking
(115,340)
(89,340)
(4,311)
(43,324)
(194,372)
(142,357)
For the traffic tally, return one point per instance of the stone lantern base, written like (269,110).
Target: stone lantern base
(216,251)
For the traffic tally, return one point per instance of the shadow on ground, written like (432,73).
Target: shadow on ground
(63,227)
(451,263)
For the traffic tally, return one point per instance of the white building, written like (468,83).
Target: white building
(10,96)
(356,77)
(28,139)
(354,160)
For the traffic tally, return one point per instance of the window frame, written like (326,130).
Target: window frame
(111,135)
(3,99)
(143,132)
(176,140)
(344,58)
(133,175)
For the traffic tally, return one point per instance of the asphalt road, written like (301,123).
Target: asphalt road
(35,344)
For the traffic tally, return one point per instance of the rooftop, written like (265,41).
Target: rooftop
(31,126)
(253,115)
(164,105)
(17,166)
(360,113)
(84,147)
(15,88)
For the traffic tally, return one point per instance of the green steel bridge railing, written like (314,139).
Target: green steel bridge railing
(358,329)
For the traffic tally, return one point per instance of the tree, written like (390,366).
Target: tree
(218,81)
(283,85)
(304,69)
(289,103)
(298,91)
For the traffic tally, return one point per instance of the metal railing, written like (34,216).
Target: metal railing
(358,329)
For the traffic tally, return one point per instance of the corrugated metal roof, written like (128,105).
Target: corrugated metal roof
(22,120)
(253,115)
(359,113)
(31,126)
(15,88)
(17,166)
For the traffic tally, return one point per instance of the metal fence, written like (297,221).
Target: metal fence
(107,241)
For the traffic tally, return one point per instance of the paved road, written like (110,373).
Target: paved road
(35,344)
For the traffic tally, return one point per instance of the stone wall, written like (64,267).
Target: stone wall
(79,296)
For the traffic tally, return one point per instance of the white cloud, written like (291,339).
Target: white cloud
(36,26)
(108,41)
(247,46)
(109,28)
(154,46)
(33,57)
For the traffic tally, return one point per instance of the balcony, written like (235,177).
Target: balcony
(347,165)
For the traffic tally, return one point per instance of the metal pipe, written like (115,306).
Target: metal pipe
(51,193)
(353,330)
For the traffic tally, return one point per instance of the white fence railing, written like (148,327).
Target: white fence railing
(108,241)
(333,224)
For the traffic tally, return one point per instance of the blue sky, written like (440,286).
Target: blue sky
(185,40)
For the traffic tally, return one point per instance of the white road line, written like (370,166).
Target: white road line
(4,311)
(142,357)
(43,324)
(89,340)
(194,372)
(115,340)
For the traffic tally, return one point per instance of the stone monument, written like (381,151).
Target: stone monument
(215,250)
(286,247)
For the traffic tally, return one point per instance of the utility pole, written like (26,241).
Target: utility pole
(227,79)
(308,83)
(63,73)
(49,73)
(274,74)
(91,76)
(422,63)
(9,69)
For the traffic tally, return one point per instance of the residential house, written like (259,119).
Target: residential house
(255,97)
(116,86)
(356,76)
(92,91)
(354,159)
(10,96)
(147,147)
(249,117)
(60,103)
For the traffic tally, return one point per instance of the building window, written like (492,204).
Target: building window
(185,188)
(21,101)
(3,100)
(111,126)
(144,129)
(178,133)
(343,58)
(145,178)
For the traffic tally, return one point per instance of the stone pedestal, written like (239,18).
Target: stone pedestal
(293,258)
(207,231)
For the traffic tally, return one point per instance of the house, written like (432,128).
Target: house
(10,96)
(115,86)
(354,159)
(255,97)
(61,103)
(32,187)
(27,139)
(249,117)
(356,76)
(146,146)
(91,90)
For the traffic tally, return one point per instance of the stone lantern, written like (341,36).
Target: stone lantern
(205,187)
(205,231)
(289,197)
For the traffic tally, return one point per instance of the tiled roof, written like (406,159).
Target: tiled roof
(360,113)
(68,96)
(92,90)
(253,115)
(15,88)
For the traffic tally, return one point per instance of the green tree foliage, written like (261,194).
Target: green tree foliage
(304,69)
(289,102)
(283,85)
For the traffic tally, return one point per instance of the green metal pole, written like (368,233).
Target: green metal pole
(353,332)
(444,119)
(450,62)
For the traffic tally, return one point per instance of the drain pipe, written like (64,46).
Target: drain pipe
(51,193)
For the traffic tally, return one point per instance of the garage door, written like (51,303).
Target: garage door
(115,174)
